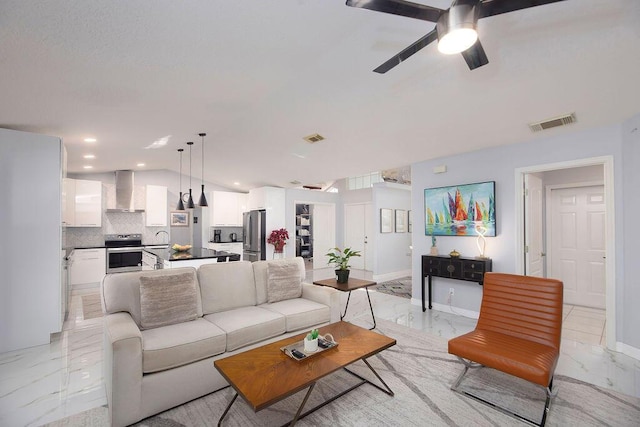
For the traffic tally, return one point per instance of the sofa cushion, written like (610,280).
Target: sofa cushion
(248,325)
(283,281)
(260,273)
(170,346)
(167,300)
(300,313)
(121,291)
(226,285)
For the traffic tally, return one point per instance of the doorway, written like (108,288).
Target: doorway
(596,222)
(315,232)
(358,234)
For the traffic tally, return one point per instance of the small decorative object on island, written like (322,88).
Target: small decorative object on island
(434,248)
(454,254)
(340,259)
(277,239)
(311,341)
(180,248)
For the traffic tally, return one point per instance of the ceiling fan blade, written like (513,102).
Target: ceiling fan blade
(406,53)
(399,7)
(497,7)
(475,56)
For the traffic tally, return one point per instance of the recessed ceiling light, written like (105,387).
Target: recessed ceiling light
(140,165)
(90,140)
(88,167)
(236,183)
(89,156)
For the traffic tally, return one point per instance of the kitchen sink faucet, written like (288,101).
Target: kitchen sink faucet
(162,231)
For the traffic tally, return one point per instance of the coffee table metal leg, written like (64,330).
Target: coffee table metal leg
(386,388)
(304,401)
(224,414)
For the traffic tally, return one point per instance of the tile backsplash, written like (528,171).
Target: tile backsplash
(115,223)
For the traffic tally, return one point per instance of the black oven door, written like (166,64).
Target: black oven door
(124,259)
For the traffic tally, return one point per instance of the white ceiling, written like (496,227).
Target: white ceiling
(258,76)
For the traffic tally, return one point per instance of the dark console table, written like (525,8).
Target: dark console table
(459,268)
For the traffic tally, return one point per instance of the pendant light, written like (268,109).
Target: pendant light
(190,204)
(203,198)
(180,206)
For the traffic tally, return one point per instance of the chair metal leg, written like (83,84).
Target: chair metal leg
(547,404)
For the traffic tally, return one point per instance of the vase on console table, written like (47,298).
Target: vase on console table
(433,251)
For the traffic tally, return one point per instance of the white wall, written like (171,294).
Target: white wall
(392,253)
(30,226)
(499,164)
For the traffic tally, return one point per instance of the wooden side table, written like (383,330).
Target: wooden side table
(351,285)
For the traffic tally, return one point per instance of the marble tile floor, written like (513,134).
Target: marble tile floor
(47,383)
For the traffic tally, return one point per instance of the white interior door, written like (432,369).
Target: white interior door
(577,236)
(357,234)
(324,236)
(534,257)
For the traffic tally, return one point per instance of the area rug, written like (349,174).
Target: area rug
(91,306)
(398,287)
(420,372)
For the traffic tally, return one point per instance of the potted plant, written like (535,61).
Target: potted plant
(434,248)
(278,238)
(311,341)
(340,259)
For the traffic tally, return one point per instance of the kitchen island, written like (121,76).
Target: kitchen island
(194,257)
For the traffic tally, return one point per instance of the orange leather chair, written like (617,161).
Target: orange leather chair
(518,332)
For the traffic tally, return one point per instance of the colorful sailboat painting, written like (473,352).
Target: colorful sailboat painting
(458,210)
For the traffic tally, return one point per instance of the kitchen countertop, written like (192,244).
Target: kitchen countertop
(193,253)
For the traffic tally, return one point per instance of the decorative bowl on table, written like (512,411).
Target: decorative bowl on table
(180,248)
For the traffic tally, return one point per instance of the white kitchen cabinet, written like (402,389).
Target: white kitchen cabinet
(149,261)
(156,206)
(227,208)
(235,247)
(68,202)
(83,203)
(87,266)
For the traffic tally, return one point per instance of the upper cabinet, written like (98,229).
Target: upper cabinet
(82,203)
(226,208)
(156,206)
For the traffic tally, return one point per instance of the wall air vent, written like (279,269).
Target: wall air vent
(312,139)
(567,119)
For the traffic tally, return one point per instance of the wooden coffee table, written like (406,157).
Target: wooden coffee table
(265,375)
(351,285)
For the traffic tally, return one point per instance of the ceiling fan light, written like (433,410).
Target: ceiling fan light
(457,41)
(457,29)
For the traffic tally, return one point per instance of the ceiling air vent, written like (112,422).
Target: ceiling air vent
(312,139)
(567,119)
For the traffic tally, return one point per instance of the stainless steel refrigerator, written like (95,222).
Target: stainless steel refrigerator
(254,224)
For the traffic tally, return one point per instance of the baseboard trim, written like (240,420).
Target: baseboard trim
(628,350)
(447,309)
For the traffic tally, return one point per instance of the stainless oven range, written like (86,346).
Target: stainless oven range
(124,252)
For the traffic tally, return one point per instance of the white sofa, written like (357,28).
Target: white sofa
(155,359)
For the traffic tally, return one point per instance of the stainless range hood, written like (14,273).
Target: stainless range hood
(124,193)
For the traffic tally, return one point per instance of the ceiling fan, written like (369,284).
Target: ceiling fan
(455,27)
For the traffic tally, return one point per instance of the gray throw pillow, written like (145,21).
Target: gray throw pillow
(167,299)
(283,281)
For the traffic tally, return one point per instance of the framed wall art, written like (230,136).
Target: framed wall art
(401,221)
(460,210)
(386,220)
(179,219)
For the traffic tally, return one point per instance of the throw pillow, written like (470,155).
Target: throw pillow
(167,299)
(283,281)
